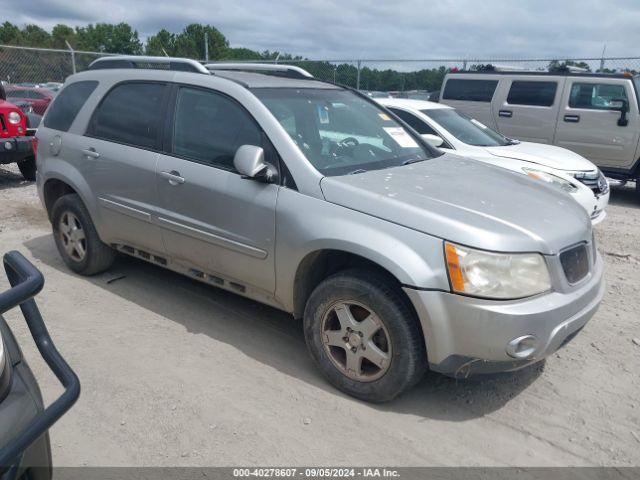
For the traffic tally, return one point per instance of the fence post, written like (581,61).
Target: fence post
(206,46)
(73,57)
(358,77)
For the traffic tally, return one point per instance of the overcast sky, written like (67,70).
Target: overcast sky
(401,29)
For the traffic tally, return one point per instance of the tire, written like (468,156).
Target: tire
(27,168)
(365,295)
(82,251)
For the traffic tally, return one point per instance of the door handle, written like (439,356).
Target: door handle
(505,113)
(172,177)
(572,118)
(91,153)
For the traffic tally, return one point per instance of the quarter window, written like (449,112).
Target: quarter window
(414,122)
(469,90)
(540,94)
(596,96)
(67,104)
(131,113)
(210,127)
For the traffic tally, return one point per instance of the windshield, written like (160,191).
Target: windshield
(467,130)
(636,81)
(340,132)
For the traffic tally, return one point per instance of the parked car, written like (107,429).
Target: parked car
(25,449)
(16,137)
(446,128)
(38,98)
(595,115)
(311,198)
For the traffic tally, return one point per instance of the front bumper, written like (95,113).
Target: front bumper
(466,335)
(15,149)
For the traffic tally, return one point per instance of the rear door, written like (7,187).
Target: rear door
(213,219)
(526,107)
(588,126)
(472,95)
(117,157)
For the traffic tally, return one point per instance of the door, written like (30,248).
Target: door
(588,126)
(212,219)
(526,108)
(118,157)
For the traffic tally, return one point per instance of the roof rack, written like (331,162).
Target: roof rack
(289,71)
(158,63)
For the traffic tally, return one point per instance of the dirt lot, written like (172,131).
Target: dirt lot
(178,373)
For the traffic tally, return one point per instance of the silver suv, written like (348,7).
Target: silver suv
(312,198)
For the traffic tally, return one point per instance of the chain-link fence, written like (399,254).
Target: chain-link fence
(37,66)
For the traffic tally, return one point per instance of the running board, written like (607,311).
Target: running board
(191,272)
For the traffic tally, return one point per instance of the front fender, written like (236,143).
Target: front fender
(305,225)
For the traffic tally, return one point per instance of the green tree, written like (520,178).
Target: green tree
(107,37)
(35,36)
(9,34)
(161,42)
(62,34)
(190,42)
(241,54)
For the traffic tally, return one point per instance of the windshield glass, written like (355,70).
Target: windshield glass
(467,130)
(340,132)
(636,81)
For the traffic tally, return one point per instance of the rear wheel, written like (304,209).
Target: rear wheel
(27,168)
(363,335)
(77,239)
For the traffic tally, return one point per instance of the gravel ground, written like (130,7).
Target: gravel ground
(175,372)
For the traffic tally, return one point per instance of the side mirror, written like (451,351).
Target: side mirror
(621,105)
(433,140)
(249,162)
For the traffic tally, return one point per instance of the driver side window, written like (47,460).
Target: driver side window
(209,127)
(596,96)
(414,122)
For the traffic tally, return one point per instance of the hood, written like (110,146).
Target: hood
(541,154)
(467,202)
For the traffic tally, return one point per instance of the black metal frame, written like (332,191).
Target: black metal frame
(26,282)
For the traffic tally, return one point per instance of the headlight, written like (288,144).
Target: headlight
(496,275)
(551,179)
(14,118)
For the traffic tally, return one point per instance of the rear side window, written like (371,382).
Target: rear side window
(210,127)
(469,90)
(597,96)
(131,114)
(539,94)
(68,103)
(414,122)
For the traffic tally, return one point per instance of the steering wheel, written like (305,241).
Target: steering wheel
(349,142)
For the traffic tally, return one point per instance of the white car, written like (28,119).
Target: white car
(447,129)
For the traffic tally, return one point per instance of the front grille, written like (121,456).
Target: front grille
(575,263)
(594,180)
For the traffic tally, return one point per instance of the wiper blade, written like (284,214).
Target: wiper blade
(413,160)
(360,170)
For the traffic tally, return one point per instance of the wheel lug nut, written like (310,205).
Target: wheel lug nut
(354,349)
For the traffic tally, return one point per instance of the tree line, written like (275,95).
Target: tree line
(190,43)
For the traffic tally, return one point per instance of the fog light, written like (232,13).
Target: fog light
(8,145)
(522,347)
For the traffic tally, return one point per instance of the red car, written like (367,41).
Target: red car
(16,140)
(38,98)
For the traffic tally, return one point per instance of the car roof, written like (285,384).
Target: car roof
(411,103)
(543,74)
(262,80)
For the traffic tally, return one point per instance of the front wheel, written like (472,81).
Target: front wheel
(364,336)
